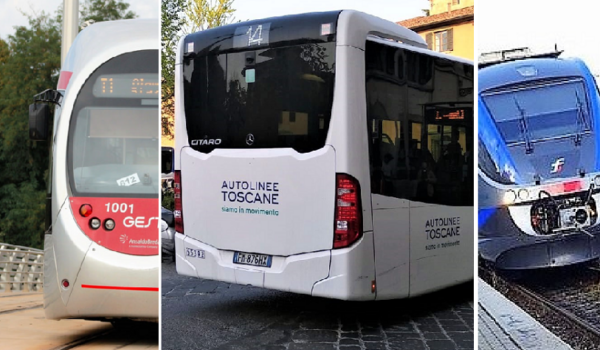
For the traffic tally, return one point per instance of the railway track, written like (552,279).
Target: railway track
(24,327)
(567,302)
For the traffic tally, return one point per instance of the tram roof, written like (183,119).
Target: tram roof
(101,41)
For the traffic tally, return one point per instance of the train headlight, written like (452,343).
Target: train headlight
(523,194)
(109,224)
(597,181)
(95,223)
(509,197)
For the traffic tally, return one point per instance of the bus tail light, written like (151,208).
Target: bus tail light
(178,212)
(348,212)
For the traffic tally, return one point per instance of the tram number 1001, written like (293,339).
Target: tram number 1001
(119,208)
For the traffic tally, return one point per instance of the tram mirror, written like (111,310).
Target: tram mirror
(167,160)
(39,118)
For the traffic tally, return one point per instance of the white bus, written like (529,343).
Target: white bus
(101,245)
(328,154)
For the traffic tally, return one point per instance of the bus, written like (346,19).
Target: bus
(101,258)
(327,154)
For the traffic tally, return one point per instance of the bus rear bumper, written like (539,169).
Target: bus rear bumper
(329,273)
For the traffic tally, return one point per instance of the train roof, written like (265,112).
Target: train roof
(531,69)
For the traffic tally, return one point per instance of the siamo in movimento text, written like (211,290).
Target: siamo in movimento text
(250,192)
(440,228)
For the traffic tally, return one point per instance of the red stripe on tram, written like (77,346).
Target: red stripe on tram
(144,289)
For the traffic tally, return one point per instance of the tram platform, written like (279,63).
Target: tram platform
(503,325)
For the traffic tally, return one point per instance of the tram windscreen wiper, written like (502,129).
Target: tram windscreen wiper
(582,120)
(524,128)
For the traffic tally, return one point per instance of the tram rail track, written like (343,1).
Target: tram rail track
(25,327)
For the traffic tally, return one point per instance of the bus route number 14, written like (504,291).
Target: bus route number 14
(119,208)
(256,37)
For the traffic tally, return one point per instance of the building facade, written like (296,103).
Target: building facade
(448,27)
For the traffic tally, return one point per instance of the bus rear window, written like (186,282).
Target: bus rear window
(277,97)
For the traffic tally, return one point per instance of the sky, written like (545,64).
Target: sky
(505,24)
(392,10)
(10,11)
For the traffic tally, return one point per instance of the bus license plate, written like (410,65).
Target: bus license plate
(252,259)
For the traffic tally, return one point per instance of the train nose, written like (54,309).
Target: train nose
(563,213)
(581,216)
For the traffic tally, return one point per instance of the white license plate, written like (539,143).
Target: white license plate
(252,259)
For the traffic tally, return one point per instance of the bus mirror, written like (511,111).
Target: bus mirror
(167,160)
(39,118)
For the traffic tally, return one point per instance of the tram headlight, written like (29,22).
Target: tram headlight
(95,223)
(597,181)
(510,197)
(523,194)
(85,210)
(109,224)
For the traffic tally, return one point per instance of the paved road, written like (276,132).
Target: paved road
(24,327)
(203,314)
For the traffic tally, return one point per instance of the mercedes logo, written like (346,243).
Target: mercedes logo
(249,139)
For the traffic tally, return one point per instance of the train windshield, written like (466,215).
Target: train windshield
(266,98)
(113,137)
(542,111)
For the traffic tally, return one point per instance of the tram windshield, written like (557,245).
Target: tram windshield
(113,138)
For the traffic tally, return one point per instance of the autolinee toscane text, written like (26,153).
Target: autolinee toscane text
(251,192)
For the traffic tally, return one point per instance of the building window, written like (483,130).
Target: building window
(441,41)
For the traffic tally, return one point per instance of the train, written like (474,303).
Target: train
(539,170)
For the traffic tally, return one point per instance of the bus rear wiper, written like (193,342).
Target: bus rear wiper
(524,128)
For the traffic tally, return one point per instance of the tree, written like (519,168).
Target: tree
(204,14)
(104,10)
(201,15)
(29,64)
(32,65)
(172,20)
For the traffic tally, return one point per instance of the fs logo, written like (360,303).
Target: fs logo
(123,238)
(557,166)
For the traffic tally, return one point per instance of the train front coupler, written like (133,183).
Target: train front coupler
(555,214)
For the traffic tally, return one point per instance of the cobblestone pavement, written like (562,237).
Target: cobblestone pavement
(204,314)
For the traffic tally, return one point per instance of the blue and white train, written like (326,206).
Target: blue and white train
(539,171)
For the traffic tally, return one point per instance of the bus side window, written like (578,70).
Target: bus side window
(440,148)
(388,154)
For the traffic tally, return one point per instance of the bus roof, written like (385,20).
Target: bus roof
(104,40)
(420,50)
(521,71)
(346,27)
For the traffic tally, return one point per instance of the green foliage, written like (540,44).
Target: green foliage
(104,10)
(179,17)
(31,61)
(172,20)
(204,14)
(29,64)
(168,200)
